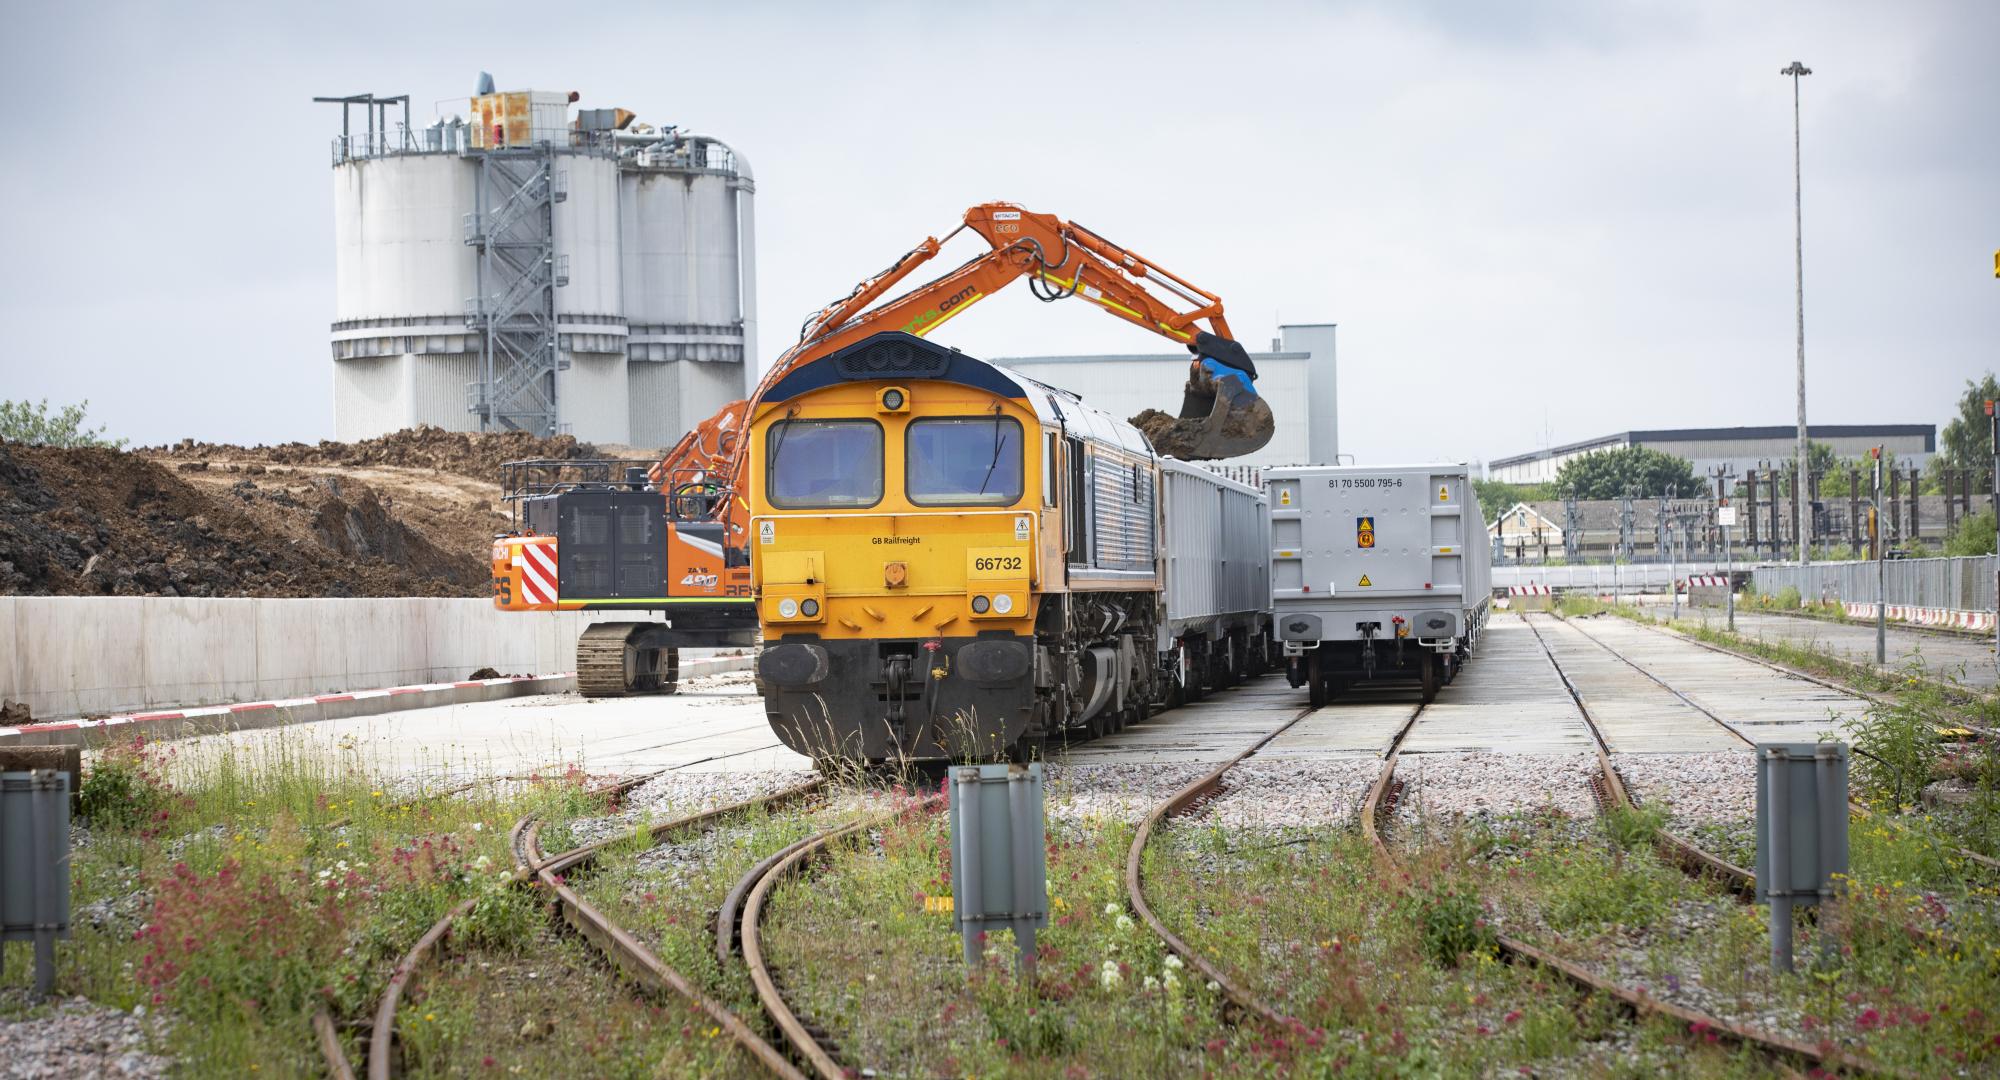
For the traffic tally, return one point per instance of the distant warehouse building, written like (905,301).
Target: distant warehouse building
(1298,377)
(1738,447)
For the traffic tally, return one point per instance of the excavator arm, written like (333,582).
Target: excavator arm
(1221,413)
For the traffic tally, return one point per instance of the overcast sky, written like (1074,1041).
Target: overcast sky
(1532,221)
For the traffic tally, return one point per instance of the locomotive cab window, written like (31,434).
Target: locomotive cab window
(823,464)
(964,461)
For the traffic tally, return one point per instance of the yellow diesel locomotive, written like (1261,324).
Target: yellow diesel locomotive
(952,561)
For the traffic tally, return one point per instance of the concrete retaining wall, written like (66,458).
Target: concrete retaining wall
(91,655)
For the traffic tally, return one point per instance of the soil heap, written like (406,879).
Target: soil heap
(411,513)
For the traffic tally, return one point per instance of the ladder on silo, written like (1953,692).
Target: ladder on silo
(514,314)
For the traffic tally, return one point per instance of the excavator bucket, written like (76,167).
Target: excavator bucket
(1222,415)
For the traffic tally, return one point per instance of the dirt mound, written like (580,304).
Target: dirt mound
(470,454)
(96,521)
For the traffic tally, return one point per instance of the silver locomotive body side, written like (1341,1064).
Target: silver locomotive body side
(1376,572)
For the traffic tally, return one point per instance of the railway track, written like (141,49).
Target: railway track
(1610,791)
(1969,855)
(739,926)
(1239,998)
(626,953)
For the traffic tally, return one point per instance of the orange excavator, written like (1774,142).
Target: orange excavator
(672,537)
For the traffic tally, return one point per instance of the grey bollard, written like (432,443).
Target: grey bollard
(999,860)
(34,866)
(1801,834)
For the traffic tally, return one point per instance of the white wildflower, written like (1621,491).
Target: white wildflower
(1171,981)
(478,826)
(1111,908)
(1152,983)
(1213,986)
(481,863)
(1172,961)
(1124,922)
(1108,974)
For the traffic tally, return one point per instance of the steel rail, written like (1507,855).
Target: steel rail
(1639,1001)
(760,881)
(523,840)
(1965,853)
(1682,851)
(1238,998)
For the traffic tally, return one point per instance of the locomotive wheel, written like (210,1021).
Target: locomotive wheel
(1315,682)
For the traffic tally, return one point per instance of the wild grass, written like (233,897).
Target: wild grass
(235,889)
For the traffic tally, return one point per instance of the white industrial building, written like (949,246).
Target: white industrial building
(537,267)
(1737,447)
(1298,377)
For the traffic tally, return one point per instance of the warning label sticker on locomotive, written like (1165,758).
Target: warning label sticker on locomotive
(767,531)
(1364,582)
(1444,492)
(1364,532)
(1021,527)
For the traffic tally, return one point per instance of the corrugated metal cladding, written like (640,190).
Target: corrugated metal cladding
(1218,548)
(1121,514)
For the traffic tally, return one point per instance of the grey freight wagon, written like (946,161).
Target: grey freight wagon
(1376,573)
(1217,617)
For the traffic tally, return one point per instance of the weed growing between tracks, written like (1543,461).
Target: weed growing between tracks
(232,892)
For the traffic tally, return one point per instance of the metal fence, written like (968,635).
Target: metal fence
(1963,584)
(1601,577)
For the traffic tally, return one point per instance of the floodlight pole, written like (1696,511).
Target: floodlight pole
(1799,259)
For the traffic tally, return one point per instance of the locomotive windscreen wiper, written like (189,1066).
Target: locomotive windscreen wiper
(998,440)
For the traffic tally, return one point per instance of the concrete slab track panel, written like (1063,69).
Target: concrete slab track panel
(1508,700)
(1766,705)
(1214,729)
(1635,713)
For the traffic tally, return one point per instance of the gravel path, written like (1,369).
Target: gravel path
(1486,783)
(1694,788)
(76,1039)
(1279,794)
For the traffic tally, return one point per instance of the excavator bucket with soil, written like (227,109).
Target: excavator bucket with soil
(1222,415)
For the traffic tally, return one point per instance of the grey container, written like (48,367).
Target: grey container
(1354,544)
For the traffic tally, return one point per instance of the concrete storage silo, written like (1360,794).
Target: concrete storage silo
(532,270)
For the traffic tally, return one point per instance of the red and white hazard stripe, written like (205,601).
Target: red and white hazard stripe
(1708,581)
(1528,590)
(538,572)
(1927,616)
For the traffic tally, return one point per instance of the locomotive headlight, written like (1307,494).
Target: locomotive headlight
(810,609)
(788,608)
(980,604)
(1003,603)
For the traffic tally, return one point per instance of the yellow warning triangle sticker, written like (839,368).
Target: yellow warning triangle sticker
(1364,582)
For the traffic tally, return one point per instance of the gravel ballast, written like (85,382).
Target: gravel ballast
(77,1038)
(1694,788)
(1486,783)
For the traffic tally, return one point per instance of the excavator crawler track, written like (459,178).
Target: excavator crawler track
(610,664)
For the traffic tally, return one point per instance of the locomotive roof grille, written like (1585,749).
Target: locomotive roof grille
(897,356)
